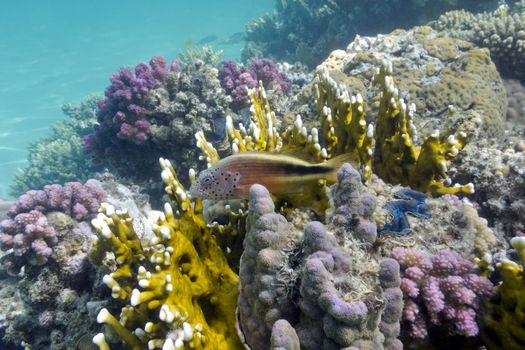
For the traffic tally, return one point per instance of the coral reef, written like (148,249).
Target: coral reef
(237,80)
(366,263)
(307,30)
(440,291)
(58,158)
(54,306)
(153,111)
(303,279)
(177,288)
(27,230)
(501,31)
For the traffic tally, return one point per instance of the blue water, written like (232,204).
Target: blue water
(58,51)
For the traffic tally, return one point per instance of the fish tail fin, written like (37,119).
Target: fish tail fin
(335,164)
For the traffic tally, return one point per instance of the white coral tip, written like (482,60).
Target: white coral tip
(103,316)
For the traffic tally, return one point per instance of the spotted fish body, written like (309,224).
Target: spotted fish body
(232,177)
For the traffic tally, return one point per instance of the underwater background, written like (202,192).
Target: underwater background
(264,175)
(61,51)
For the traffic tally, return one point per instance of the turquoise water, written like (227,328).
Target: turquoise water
(54,52)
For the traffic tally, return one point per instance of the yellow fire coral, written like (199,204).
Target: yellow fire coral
(180,291)
(505,316)
(395,157)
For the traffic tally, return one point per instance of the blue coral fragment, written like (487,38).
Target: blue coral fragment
(410,202)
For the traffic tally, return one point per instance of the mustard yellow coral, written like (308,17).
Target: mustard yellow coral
(395,157)
(504,320)
(180,291)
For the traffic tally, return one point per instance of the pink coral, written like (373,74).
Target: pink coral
(440,291)
(27,231)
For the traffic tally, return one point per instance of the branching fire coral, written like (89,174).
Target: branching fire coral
(395,157)
(179,290)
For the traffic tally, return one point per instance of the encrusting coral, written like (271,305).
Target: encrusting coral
(178,290)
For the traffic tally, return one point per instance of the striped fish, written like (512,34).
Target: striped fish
(232,177)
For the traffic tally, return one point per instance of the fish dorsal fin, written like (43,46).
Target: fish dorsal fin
(336,163)
(339,160)
(300,153)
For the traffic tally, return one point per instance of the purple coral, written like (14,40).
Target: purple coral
(236,80)
(440,291)
(123,112)
(353,209)
(27,230)
(30,235)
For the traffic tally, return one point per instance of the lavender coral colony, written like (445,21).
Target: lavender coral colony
(27,231)
(237,80)
(443,290)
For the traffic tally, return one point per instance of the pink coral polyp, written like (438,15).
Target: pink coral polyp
(440,291)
